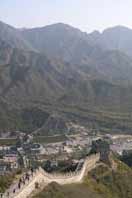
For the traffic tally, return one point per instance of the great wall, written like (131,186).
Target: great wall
(43,178)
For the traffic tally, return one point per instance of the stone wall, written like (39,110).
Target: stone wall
(72,177)
(44,178)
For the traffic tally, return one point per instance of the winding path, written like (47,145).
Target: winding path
(43,178)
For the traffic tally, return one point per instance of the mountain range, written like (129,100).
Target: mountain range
(60,69)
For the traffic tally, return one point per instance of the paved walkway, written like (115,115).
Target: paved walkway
(29,181)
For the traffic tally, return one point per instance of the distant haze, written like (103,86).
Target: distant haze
(87,15)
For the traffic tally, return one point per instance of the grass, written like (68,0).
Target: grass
(68,191)
(101,182)
(7,179)
(8,142)
(50,139)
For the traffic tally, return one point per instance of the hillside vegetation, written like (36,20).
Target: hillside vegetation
(102,182)
(59,70)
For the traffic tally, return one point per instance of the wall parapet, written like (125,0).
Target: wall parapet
(89,163)
(44,178)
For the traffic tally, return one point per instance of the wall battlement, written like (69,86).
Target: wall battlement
(43,178)
(89,163)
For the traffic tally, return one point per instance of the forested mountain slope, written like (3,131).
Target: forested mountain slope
(59,69)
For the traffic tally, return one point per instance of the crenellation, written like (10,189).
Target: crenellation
(43,178)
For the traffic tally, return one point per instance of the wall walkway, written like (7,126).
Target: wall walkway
(43,178)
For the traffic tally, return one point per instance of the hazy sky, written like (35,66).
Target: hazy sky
(87,15)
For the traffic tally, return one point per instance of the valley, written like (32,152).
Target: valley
(65,112)
(80,80)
